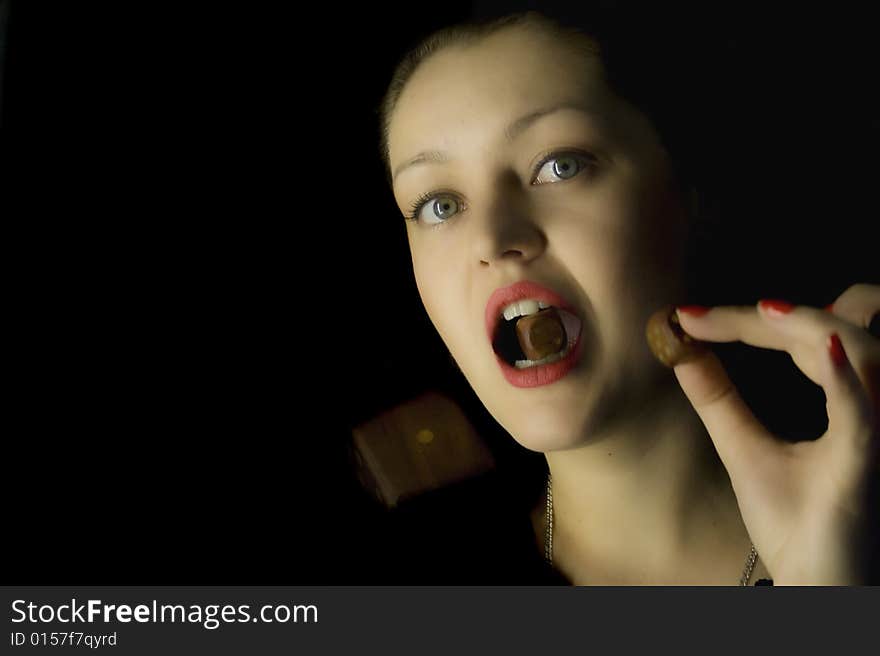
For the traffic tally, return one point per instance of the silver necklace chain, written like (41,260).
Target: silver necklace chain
(548,539)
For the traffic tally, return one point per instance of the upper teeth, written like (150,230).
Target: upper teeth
(523,308)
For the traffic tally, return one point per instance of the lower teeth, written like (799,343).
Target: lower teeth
(525,364)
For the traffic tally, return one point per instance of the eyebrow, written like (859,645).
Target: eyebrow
(511,132)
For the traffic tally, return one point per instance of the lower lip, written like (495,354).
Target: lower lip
(544,374)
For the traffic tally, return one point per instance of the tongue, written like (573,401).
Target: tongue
(541,334)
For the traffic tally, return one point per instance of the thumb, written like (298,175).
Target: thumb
(739,437)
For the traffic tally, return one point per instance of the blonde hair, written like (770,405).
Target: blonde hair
(465,34)
(645,66)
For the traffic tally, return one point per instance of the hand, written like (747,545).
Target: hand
(806,505)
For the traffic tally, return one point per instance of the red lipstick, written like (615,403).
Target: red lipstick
(541,374)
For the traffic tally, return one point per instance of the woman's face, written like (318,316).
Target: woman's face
(598,224)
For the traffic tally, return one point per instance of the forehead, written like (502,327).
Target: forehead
(463,93)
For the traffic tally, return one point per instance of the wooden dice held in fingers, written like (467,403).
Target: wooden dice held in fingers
(668,341)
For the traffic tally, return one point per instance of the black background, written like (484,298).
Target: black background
(199,240)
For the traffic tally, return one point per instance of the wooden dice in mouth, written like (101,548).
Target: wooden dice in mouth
(531,337)
(541,334)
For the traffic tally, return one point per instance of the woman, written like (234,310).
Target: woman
(529,184)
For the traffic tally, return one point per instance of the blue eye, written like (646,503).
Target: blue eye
(440,208)
(563,167)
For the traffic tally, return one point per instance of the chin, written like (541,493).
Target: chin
(542,428)
(548,419)
(567,433)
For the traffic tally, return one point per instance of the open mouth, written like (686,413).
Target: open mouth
(532,333)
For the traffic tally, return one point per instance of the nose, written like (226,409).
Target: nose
(507,232)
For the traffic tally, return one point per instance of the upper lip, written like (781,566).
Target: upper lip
(504,296)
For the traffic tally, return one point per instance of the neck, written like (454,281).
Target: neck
(643,498)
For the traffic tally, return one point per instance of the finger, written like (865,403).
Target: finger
(739,437)
(858,304)
(730,323)
(852,420)
(808,329)
(744,323)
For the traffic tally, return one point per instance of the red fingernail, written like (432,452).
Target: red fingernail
(835,348)
(693,310)
(829,308)
(776,306)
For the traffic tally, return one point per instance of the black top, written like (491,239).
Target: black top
(473,533)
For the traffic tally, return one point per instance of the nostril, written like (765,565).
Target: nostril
(503,256)
(512,252)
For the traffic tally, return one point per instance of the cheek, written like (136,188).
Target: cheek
(623,252)
(442,289)
(437,291)
(632,232)
(600,241)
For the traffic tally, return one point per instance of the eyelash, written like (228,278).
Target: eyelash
(420,203)
(425,198)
